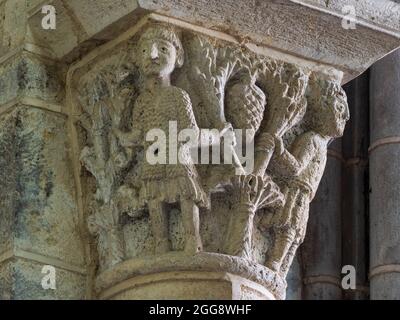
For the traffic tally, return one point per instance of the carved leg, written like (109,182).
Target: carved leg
(283,242)
(287,262)
(116,252)
(159,226)
(300,216)
(240,230)
(104,250)
(191,225)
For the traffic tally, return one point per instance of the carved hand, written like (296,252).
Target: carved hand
(256,192)
(228,133)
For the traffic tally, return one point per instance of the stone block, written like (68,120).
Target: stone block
(25,277)
(38,205)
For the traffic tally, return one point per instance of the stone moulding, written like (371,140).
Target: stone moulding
(292,109)
(311,29)
(201,262)
(325,69)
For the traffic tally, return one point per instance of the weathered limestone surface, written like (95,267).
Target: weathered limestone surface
(39,212)
(40,223)
(384,179)
(77,190)
(25,278)
(181,285)
(273,24)
(27,76)
(135,222)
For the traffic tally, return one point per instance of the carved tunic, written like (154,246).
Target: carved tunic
(171,181)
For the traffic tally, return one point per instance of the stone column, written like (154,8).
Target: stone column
(384,179)
(321,251)
(355,186)
(42,255)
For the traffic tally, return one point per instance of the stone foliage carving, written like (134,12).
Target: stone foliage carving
(165,74)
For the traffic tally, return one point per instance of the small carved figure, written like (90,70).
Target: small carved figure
(257,191)
(160,52)
(304,165)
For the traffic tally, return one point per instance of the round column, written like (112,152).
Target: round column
(321,251)
(384,153)
(355,187)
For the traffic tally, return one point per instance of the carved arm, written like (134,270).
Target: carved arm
(294,162)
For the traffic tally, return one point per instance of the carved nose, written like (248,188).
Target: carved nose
(154,52)
(347,115)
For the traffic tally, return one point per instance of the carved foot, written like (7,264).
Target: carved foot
(193,245)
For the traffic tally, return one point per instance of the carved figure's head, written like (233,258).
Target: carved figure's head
(329,109)
(159,51)
(340,109)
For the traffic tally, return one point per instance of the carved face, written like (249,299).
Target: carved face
(337,117)
(342,115)
(157,57)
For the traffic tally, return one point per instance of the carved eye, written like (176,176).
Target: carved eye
(340,107)
(164,49)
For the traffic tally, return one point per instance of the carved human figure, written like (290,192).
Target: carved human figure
(159,53)
(303,165)
(259,190)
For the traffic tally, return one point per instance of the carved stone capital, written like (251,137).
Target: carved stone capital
(236,220)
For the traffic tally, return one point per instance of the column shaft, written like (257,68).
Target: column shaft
(321,251)
(355,186)
(384,178)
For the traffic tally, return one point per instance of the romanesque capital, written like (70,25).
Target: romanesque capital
(199,159)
